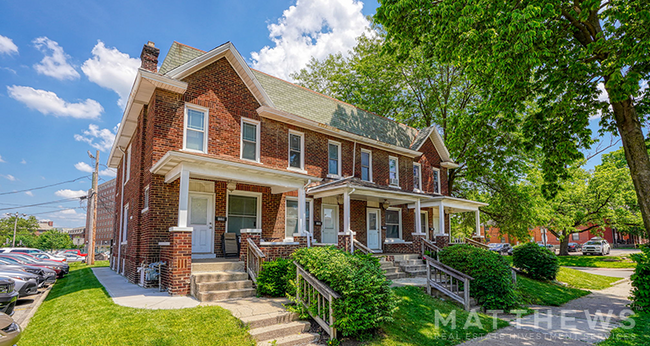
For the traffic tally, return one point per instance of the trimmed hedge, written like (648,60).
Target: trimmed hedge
(366,298)
(538,262)
(275,277)
(492,286)
(641,280)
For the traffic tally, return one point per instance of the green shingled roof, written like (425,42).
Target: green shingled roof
(308,104)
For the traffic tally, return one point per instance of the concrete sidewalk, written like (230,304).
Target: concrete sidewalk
(127,294)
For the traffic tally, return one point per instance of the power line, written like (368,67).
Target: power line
(43,187)
(40,204)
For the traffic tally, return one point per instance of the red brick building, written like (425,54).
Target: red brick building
(105,217)
(208,146)
(541,235)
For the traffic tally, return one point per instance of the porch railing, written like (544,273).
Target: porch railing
(457,240)
(254,259)
(317,298)
(476,244)
(361,247)
(428,245)
(448,281)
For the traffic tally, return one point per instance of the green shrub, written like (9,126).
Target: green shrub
(366,298)
(492,286)
(641,280)
(275,277)
(538,262)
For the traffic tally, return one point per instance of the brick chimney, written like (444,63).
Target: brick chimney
(149,57)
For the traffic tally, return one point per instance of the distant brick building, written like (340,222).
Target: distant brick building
(105,217)
(78,235)
(541,235)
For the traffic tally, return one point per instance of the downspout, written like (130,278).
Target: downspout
(119,232)
(309,235)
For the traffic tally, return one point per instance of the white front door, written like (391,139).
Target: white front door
(330,229)
(201,215)
(374,235)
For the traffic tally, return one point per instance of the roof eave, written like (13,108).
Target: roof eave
(440,146)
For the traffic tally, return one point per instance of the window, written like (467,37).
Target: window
(196,136)
(393,171)
(424,222)
(296,155)
(250,144)
(436,180)
(417,177)
(127,167)
(125,223)
(575,236)
(145,202)
(366,165)
(291,217)
(243,212)
(394,223)
(334,155)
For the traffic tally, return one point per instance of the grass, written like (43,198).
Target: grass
(78,311)
(639,334)
(533,292)
(415,322)
(579,279)
(596,261)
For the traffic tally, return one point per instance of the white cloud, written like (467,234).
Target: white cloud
(9,69)
(48,102)
(112,69)
(23,162)
(55,63)
(67,193)
(315,28)
(7,45)
(603,96)
(29,193)
(1,160)
(84,167)
(108,173)
(9,177)
(68,216)
(104,137)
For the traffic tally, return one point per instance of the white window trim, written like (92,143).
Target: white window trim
(310,226)
(127,169)
(302,151)
(369,152)
(396,171)
(125,224)
(340,161)
(146,196)
(426,229)
(419,177)
(259,195)
(401,237)
(439,179)
(205,127)
(257,137)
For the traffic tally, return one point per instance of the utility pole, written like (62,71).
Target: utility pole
(95,197)
(13,242)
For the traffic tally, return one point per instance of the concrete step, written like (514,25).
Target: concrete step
(404,257)
(217,266)
(227,294)
(291,340)
(277,331)
(412,268)
(219,276)
(393,276)
(417,273)
(223,285)
(387,265)
(391,270)
(260,321)
(410,262)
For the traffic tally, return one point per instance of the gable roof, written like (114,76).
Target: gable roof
(178,55)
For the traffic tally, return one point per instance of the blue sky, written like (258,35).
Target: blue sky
(65,68)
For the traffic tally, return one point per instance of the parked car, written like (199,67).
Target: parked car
(76,252)
(9,331)
(501,248)
(46,276)
(72,257)
(64,266)
(32,251)
(16,259)
(575,247)
(47,256)
(548,246)
(26,284)
(596,246)
(8,296)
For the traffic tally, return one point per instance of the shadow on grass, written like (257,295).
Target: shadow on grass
(80,278)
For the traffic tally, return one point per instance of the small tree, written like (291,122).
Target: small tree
(53,240)
(641,280)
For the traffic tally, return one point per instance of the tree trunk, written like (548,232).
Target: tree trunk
(564,245)
(636,154)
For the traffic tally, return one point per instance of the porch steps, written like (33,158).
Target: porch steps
(391,271)
(280,328)
(220,280)
(411,265)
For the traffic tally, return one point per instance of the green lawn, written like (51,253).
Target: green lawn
(596,261)
(415,322)
(638,335)
(533,292)
(578,279)
(78,311)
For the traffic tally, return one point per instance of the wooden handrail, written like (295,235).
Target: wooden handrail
(317,298)
(475,243)
(255,249)
(453,272)
(254,259)
(429,245)
(361,247)
(448,281)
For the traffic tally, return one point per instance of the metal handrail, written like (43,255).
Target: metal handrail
(317,298)
(362,247)
(447,280)
(254,259)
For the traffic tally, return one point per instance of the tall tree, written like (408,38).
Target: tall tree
(553,53)
(25,229)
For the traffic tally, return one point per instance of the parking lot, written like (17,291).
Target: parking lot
(27,306)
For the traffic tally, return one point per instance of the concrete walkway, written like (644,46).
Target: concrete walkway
(246,308)
(587,320)
(127,294)
(623,273)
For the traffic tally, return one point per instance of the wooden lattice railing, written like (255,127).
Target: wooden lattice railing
(448,281)
(428,245)
(254,259)
(317,298)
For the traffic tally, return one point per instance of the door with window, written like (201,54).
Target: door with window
(242,213)
(330,229)
(374,235)
(424,223)
(201,214)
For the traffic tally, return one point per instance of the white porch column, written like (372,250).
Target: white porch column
(346,212)
(478,223)
(441,218)
(302,217)
(418,217)
(183,199)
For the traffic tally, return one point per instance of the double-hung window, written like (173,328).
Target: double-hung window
(250,140)
(145,202)
(196,134)
(334,159)
(296,152)
(366,165)
(393,171)
(393,223)
(436,180)
(417,177)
